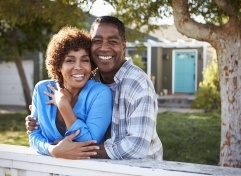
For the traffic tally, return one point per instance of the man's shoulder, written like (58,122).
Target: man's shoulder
(135,73)
(134,76)
(130,70)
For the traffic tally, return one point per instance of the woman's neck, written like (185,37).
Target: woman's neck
(73,92)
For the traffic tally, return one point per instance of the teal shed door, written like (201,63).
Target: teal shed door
(184,73)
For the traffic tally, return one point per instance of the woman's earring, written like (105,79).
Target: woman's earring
(93,73)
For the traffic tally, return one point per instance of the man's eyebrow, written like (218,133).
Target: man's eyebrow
(114,37)
(97,36)
(109,37)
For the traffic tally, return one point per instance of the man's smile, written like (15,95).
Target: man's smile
(105,57)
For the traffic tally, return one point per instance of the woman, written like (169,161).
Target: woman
(79,104)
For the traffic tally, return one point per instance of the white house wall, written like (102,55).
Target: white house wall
(11,92)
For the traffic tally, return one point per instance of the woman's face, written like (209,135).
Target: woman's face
(76,69)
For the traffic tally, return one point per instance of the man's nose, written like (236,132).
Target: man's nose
(105,46)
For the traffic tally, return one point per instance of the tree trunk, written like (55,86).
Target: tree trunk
(25,86)
(229,61)
(226,40)
(19,65)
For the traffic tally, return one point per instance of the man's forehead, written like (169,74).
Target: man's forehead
(101,28)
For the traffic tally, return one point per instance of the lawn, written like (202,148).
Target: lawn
(191,137)
(12,129)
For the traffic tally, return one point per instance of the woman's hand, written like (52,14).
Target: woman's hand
(58,95)
(68,149)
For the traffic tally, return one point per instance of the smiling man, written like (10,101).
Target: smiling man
(133,128)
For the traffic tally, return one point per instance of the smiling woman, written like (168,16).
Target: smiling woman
(75,102)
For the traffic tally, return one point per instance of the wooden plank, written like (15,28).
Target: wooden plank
(23,161)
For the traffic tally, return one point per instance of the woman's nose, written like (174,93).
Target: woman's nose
(78,66)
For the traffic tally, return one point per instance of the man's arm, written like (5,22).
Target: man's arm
(101,152)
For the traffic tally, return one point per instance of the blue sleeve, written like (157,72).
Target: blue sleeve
(36,140)
(98,118)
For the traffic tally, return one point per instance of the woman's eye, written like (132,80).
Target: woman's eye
(86,60)
(69,60)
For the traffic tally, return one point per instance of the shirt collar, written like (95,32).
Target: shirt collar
(120,74)
(122,71)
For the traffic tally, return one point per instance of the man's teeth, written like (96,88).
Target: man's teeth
(77,76)
(105,57)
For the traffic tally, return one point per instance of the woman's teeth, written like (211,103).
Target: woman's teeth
(78,76)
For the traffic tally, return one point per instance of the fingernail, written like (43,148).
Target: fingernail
(35,128)
(37,123)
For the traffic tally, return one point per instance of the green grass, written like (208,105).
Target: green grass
(191,137)
(12,129)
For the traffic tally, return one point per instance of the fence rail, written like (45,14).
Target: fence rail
(23,161)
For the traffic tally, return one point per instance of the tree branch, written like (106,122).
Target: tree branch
(189,27)
(226,6)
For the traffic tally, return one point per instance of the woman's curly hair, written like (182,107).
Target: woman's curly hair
(66,40)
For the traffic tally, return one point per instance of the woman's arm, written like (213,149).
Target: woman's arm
(98,114)
(98,118)
(36,140)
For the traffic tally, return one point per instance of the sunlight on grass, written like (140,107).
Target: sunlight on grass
(12,129)
(14,138)
(193,138)
(197,117)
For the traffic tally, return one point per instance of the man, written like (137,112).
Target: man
(133,126)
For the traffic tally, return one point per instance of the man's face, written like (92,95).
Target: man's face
(107,48)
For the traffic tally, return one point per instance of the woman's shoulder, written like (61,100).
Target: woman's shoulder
(93,84)
(45,83)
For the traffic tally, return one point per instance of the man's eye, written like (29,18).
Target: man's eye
(113,42)
(96,41)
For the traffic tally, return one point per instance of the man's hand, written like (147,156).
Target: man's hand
(73,150)
(31,123)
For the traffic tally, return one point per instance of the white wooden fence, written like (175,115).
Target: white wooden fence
(23,161)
